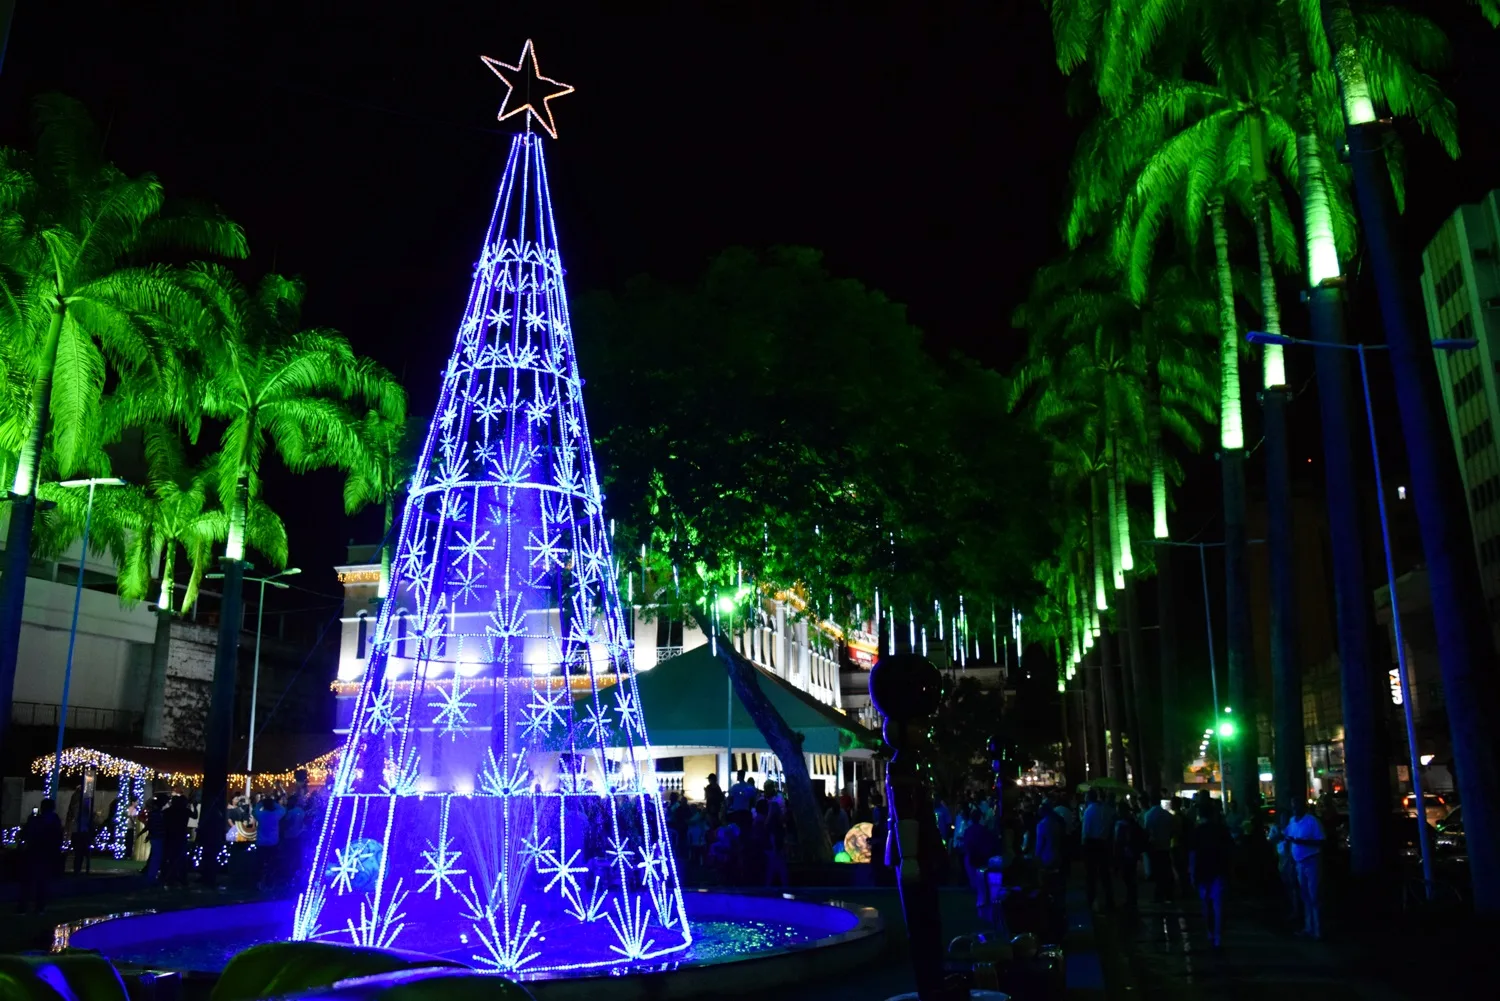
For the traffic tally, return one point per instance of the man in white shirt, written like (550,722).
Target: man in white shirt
(1098,830)
(741,801)
(1159,824)
(1305,836)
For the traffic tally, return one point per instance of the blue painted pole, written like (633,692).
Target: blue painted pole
(1390,575)
(62,712)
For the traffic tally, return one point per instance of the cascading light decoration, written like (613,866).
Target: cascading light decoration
(495,800)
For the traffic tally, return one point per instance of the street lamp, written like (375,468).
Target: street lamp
(1442,344)
(260,618)
(62,712)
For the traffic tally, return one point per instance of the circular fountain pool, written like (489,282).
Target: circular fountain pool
(772,939)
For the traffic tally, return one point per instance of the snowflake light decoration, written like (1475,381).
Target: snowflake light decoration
(453,710)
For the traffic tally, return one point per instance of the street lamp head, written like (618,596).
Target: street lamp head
(1261,337)
(96,481)
(1454,344)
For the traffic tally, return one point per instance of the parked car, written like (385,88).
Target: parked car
(1436,806)
(1450,833)
(1400,832)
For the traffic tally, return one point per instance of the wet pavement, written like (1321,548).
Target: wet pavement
(1167,955)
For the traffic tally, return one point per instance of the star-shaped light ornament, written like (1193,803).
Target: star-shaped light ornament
(527,90)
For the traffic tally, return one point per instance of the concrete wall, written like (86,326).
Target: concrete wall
(190,671)
(110,660)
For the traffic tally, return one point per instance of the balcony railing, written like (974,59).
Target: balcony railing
(44,714)
(667,653)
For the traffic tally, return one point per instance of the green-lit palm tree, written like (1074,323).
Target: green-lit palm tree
(274,387)
(1168,334)
(1462,621)
(76,306)
(175,511)
(381,474)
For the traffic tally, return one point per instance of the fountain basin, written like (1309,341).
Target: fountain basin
(770,940)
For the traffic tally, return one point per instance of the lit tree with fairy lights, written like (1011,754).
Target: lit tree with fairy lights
(482,804)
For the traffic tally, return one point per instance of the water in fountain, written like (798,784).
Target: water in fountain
(493,801)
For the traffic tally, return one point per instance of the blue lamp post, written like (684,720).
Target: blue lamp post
(1449,344)
(54,786)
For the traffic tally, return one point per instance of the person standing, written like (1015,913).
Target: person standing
(1098,825)
(1208,867)
(80,827)
(836,820)
(1051,849)
(1129,839)
(713,799)
(268,814)
(175,839)
(1159,824)
(741,802)
(41,853)
(1305,835)
(978,845)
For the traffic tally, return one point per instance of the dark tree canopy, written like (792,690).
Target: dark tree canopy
(775,424)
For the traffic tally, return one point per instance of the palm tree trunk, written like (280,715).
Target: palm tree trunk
(386,547)
(1466,650)
(1098,758)
(1112,503)
(1138,688)
(1113,719)
(1286,672)
(18,532)
(153,732)
(1166,727)
(1171,712)
(156,686)
(1241,752)
(219,731)
(784,742)
(1364,770)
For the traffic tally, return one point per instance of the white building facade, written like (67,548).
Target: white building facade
(780,642)
(1461,292)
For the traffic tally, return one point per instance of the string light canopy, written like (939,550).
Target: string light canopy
(526,90)
(76,760)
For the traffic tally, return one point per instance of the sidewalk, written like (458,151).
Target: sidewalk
(1166,952)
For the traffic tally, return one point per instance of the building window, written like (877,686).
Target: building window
(1477,439)
(1462,328)
(1485,494)
(1451,282)
(668,632)
(1466,387)
(364,624)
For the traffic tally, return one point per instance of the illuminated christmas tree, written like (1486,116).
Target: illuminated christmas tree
(483,806)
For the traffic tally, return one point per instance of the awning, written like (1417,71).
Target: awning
(687,704)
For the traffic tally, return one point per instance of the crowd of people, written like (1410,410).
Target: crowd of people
(267,838)
(742,836)
(1178,846)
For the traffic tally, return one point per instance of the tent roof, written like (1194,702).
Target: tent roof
(687,699)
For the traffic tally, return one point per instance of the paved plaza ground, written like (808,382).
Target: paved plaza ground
(1158,952)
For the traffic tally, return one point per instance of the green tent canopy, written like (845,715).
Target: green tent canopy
(686,700)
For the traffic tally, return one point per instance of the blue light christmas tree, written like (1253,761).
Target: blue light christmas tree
(484,807)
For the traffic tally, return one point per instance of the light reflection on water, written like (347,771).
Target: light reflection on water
(712,940)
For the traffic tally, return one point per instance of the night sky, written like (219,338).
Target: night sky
(925,155)
(925,151)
